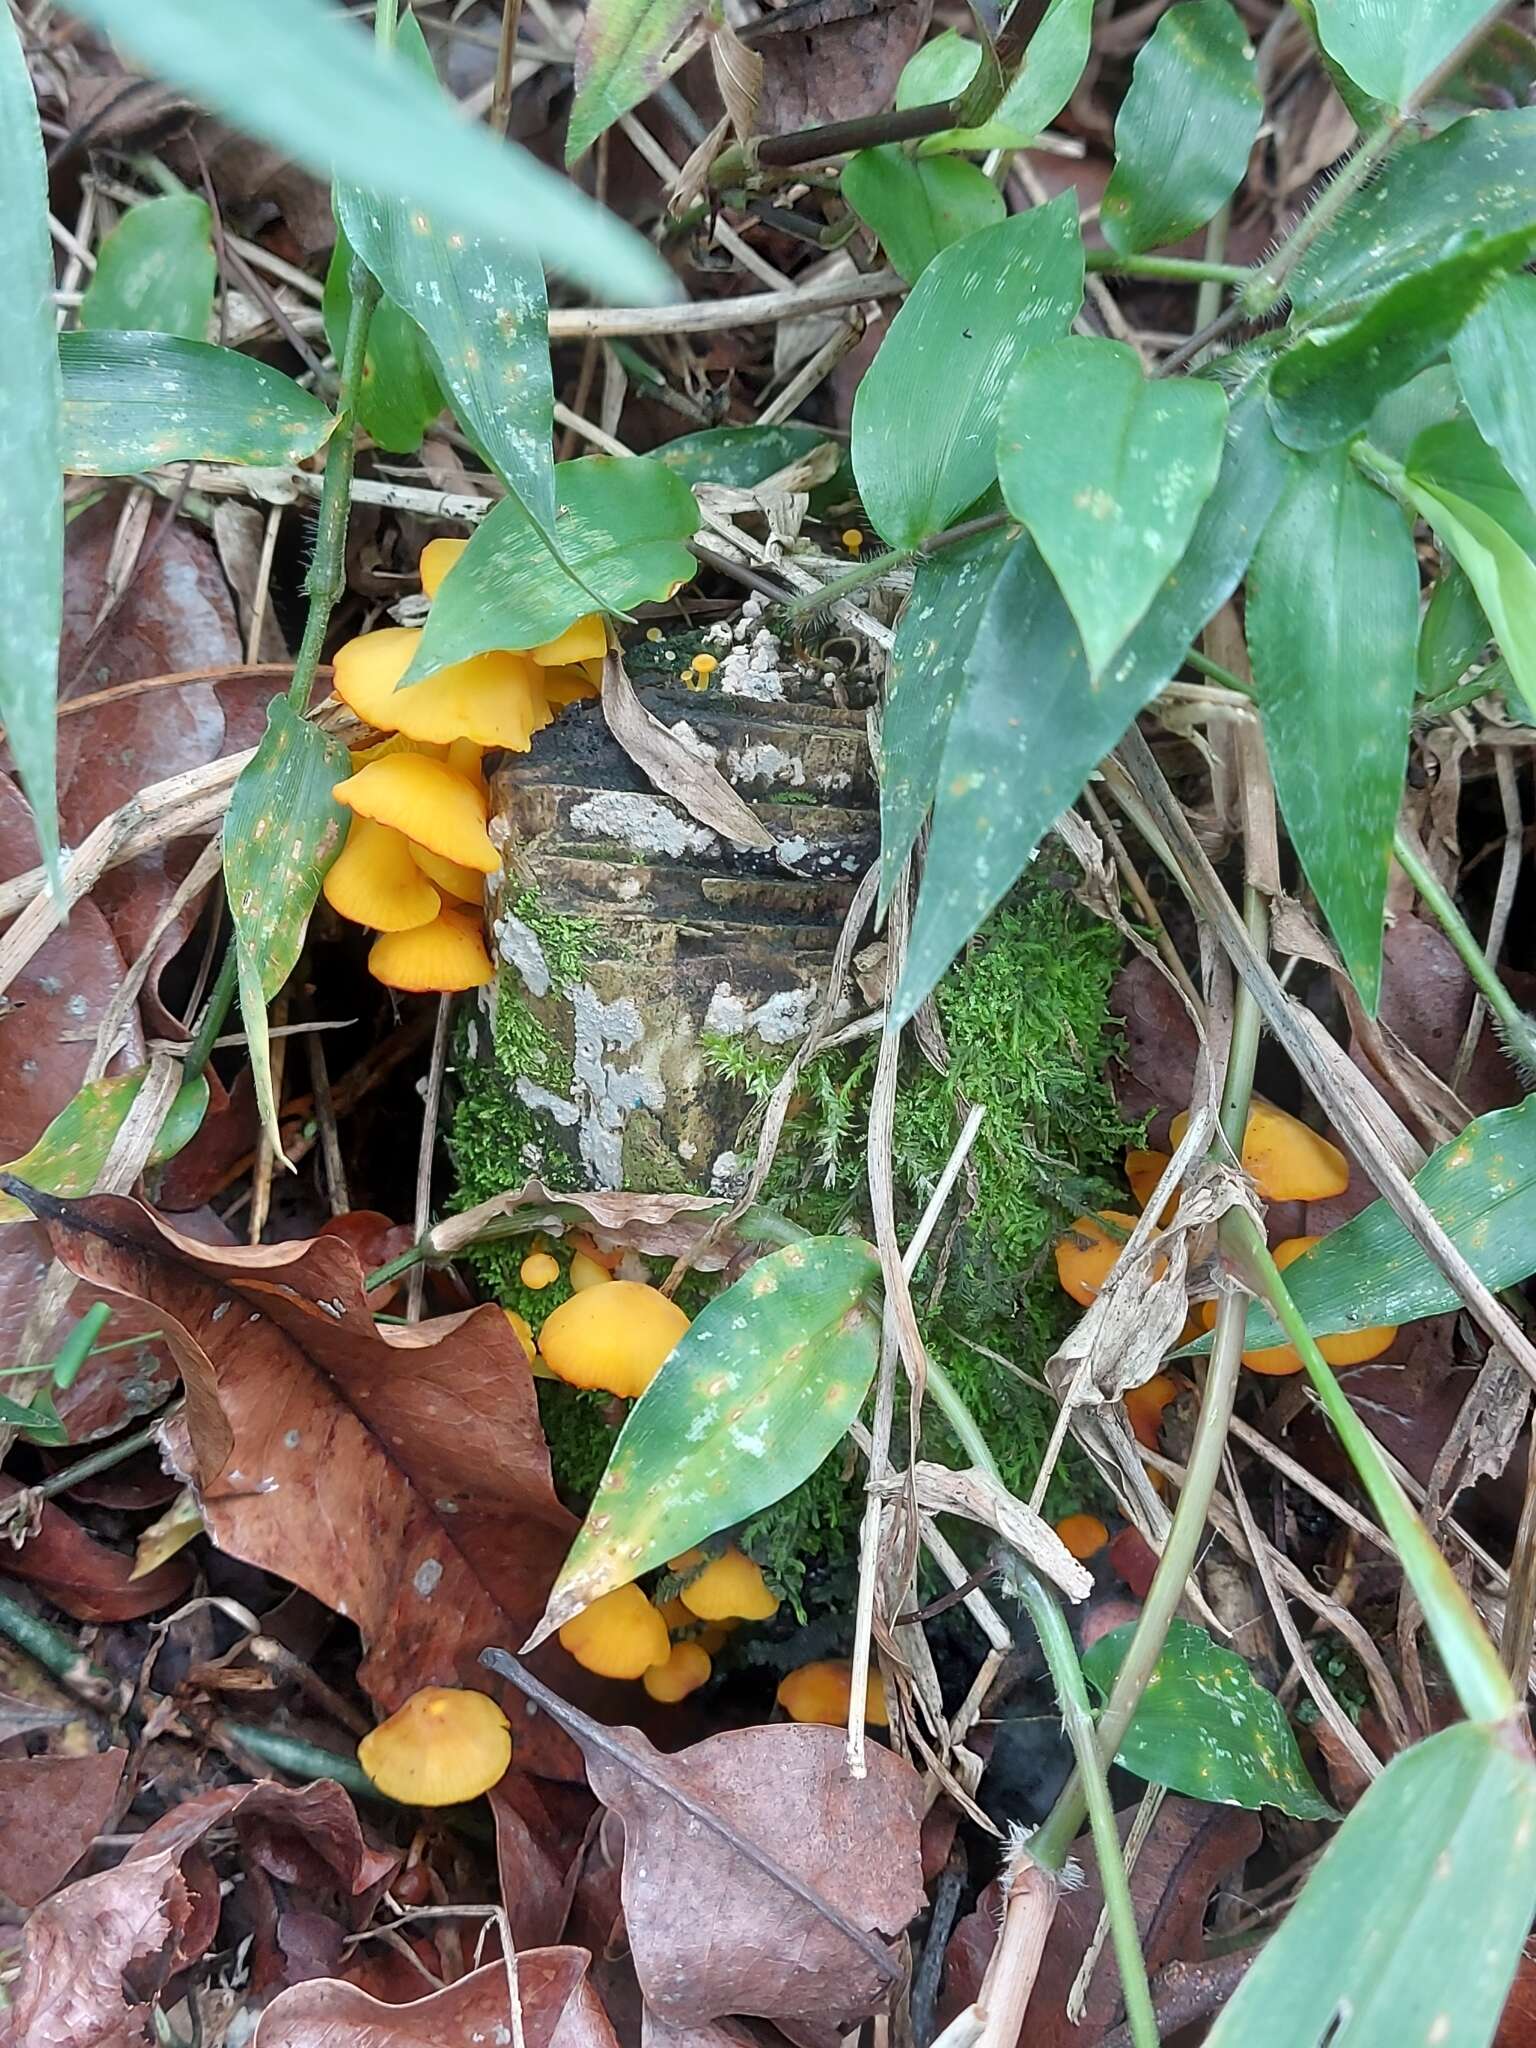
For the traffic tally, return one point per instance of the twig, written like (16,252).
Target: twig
(1516,1029)
(753,309)
(431,1106)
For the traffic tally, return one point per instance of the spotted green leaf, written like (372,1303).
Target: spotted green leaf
(1481,1187)
(481,304)
(156,271)
(1206,1727)
(1184,129)
(283,830)
(759,1391)
(67,1159)
(32,558)
(622,523)
(1431,201)
(399,397)
(1493,357)
(964,328)
(1334,662)
(916,208)
(1044,82)
(1410,1928)
(134,401)
(1452,632)
(1323,390)
(300,75)
(929,658)
(1469,498)
(1015,756)
(1389,47)
(739,456)
(619,62)
(1108,471)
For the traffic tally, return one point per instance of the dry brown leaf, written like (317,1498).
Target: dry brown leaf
(51,1810)
(674,768)
(559,2010)
(85,1578)
(400,1476)
(980,1498)
(658,1226)
(844,62)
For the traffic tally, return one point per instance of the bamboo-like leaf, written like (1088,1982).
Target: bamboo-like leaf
(621,526)
(1206,1727)
(134,401)
(1452,633)
(963,330)
(481,304)
(298,74)
(619,62)
(156,272)
(1493,357)
(1184,129)
(67,1159)
(32,557)
(916,207)
(1334,660)
(1044,82)
(757,1393)
(1108,471)
(1389,47)
(283,830)
(399,396)
(1411,1926)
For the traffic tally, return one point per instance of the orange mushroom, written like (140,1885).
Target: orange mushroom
(493,699)
(822,1692)
(1344,1347)
(587,1272)
(1084,1535)
(442,1747)
(1284,1158)
(619,1636)
(617,1337)
(585,640)
(1144,1170)
(374,881)
(730,1587)
(538,1271)
(443,957)
(426,800)
(1144,1407)
(685,1668)
(1088,1251)
(437,558)
(465,885)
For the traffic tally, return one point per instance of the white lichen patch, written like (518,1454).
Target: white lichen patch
(778,1020)
(605,1095)
(642,823)
(518,944)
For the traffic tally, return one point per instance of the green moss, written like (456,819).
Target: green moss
(566,942)
(579,1436)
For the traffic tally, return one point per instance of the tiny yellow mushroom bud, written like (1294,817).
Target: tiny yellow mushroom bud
(853,539)
(586,1272)
(687,1668)
(539,1271)
(442,1747)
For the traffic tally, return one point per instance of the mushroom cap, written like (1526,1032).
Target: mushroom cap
(1144,1170)
(570,685)
(539,1270)
(1144,1407)
(1088,1251)
(465,885)
(374,881)
(428,801)
(522,1330)
(730,1585)
(444,957)
(588,1272)
(1084,1535)
(437,558)
(822,1692)
(686,1668)
(442,1747)
(1344,1347)
(619,1636)
(617,1337)
(494,699)
(586,640)
(1284,1158)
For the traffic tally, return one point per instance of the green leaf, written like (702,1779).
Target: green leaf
(1108,471)
(915,209)
(1431,201)
(1452,632)
(1334,661)
(299,75)
(1493,356)
(620,60)
(399,397)
(481,304)
(1371,1272)
(156,271)
(1428,400)
(135,401)
(1044,82)
(738,456)
(32,559)
(283,830)
(1185,127)
(932,647)
(39,1419)
(964,327)
(1410,1928)
(67,1159)
(1015,756)
(1389,47)
(1463,490)
(621,525)
(1206,1727)
(1322,391)
(758,1392)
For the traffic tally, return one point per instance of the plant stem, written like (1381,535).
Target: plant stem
(1470,1659)
(56,1652)
(215,1010)
(1493,677)
(1515,1027)
(104,1459)
(1204,1466)
(1172,269)
(1060,1654)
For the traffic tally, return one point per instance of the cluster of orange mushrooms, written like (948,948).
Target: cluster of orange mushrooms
(419,848)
